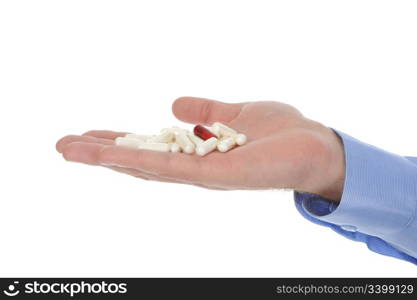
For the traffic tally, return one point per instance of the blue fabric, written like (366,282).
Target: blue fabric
(379,201)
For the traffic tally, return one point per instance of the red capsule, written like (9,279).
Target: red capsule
(203,133)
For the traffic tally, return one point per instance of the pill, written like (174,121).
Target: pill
(195,139)
(174,147)
(215,130)
(167,130)
(200,139)
(240,139)
(203,132)
(128,142)
(177,130)
(207,146)
(226,144)
(164,137)
(162,147)
(224,130)
(140,137)
(184,142)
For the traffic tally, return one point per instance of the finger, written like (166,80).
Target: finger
(173,166)
(144,176)
(61,144)
(151,162)
(129,171)
(87,153)
(204,111)
(139,174)
(105,134)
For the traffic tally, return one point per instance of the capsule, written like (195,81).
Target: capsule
(174,147)
(161,147)
(241,139)
(226,131)
(195,139)
(185,143)
(207,146)
(215,130)
(223,129)
(128,142)
(177,130)
(140,137)
(164,137)
(203,132)
(226,144)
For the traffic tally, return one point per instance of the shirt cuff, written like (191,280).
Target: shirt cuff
(379,196)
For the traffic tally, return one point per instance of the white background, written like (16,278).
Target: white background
(70,66)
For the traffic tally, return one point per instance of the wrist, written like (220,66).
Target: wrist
(327,166)
(335,169)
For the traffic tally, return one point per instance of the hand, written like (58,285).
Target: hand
(284,150)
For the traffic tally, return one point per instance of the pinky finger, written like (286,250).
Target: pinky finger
(145,176)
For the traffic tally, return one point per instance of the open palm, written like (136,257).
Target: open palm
(284,150)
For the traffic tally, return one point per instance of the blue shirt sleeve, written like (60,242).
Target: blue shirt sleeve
(379,201)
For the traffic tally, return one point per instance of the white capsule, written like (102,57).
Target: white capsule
(226,131)
(207,146)
(240,139)
(195,139)
(185,143)
(226,144)
(128,142)
(214,130)
(164,137)
(140,137)
(162,147)
(174,147)
(177,130)
(167,130)
(223,129)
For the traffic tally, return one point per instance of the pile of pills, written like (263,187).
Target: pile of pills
(201,140)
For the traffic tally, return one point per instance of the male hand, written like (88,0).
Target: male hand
(284,150)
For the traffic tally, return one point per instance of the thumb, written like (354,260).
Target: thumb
(203,111)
